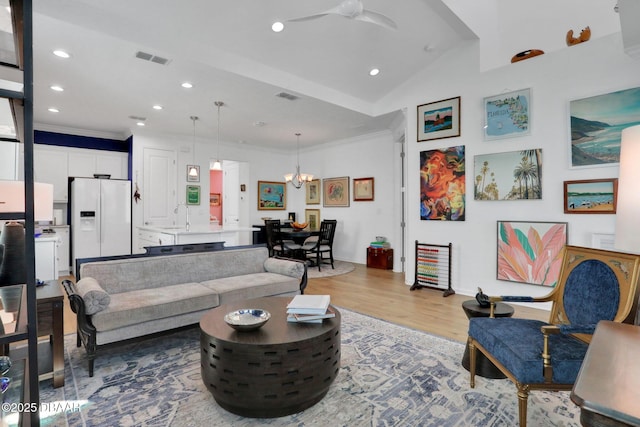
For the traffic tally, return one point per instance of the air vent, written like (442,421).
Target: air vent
(138,118)
(286,95)
(153,58)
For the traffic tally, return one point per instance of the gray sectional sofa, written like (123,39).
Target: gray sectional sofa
(119,298)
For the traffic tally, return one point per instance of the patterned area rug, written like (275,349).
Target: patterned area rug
(341,267)
(390,376)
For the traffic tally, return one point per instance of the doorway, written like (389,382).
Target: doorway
(229,187)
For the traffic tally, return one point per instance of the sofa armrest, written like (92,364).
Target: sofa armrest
(288,267)
(86,331)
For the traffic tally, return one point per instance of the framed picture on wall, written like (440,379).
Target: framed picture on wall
(529,252)
(362,189)
(512,175)
(193,194)
(597,123)
(193,173)
(214,199)
(439,119)
(443,184)
(313,192)
(591,196)
(507,115)
(272,195)
(312,218)
(335,191)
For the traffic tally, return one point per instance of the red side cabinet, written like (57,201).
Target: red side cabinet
(380,258)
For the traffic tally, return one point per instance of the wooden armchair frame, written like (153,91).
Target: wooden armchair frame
(626,269)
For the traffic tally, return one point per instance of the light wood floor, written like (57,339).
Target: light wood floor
(383,294)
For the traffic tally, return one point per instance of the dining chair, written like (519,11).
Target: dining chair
(316,249)
(274,240)
(593,285)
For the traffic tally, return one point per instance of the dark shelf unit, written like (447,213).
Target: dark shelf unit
(22,108)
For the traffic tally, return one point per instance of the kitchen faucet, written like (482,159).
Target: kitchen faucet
(175,211)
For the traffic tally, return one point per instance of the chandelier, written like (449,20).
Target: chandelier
(298,179)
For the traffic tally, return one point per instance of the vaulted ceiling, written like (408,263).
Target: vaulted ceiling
(228,51)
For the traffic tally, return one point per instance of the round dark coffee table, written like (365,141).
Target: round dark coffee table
(484,367)
(277,370)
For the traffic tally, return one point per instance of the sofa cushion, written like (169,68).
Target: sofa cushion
(253,286)
(95,298)
(284,267)
(129,308)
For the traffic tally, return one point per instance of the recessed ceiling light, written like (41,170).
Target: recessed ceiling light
(53,110)
(61,53)
(277,27)
(57,88)
(374,72)
(157,107)
(187,85)
(140,123)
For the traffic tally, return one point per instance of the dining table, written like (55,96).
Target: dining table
(298,236)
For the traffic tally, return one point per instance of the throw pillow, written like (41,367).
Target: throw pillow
(285,267)
(95,298)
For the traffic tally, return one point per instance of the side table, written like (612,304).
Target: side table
(380,258)
(484,367)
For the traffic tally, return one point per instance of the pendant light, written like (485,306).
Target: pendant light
(298,178)
(193,170)
(216,165)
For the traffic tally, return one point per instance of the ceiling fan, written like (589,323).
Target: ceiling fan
(353,9)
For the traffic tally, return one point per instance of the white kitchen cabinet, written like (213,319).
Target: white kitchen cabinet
(153,238)
(111,163)
(64,266)
(8,160)
(50,166)
(46,258)
(82,163)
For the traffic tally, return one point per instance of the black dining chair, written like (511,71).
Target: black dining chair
(316,249)
(274,240)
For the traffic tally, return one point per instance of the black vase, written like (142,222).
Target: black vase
(13,265)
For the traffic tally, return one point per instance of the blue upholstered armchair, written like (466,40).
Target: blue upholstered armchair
(593,285)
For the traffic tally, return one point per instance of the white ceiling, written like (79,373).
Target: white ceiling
(229,53)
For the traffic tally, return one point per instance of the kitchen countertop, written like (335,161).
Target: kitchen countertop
(195,229)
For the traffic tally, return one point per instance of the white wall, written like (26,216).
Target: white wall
(596,67)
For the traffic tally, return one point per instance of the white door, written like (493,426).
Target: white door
(231,193)
(159,187)
(115,219)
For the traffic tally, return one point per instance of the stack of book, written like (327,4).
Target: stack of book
(380,245)
(309,309)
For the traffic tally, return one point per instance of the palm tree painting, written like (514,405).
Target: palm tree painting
(530,252)
(514,175)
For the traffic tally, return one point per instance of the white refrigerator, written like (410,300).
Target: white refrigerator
(100,218)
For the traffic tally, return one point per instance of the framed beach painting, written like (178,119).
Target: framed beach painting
(596,126)
(507,115)
(363,189)
(272,195)
(530,252)
(335,191)
(439,119)
(591,196)
(313,192)
(513,175)
(442,184)
(312,218)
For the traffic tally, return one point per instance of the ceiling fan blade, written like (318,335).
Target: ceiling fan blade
(377,18)
(308,18)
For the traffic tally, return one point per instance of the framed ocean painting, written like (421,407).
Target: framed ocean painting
(439,119)
(596,126)
(591,196)
(530,252)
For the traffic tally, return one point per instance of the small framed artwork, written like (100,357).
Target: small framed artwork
(193,194)
(596,126)
(191,176)
(362,189)
(438,120)
(591,196)
(313,192)
(335,191)
(530,252)
(312,217)
(272,195)
(214,199)
(507,115)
